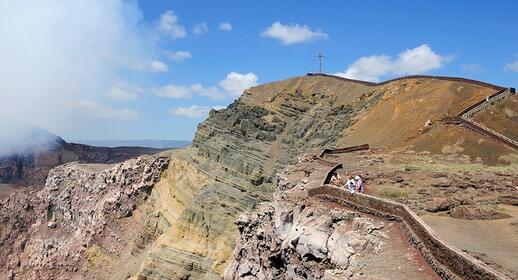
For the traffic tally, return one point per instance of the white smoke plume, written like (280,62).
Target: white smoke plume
(54,54)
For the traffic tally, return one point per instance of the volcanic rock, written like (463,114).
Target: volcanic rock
(477,212)
(72,206)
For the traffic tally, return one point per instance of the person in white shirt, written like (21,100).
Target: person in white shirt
(359,184)
(350,184)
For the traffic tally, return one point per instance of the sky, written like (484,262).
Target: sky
(114,69)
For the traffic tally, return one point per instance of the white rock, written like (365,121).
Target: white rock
(339,246)
(313,242)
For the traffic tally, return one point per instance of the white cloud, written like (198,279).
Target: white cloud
(236,83)
(121,94)
(368,68)
(173,91)
(169,24)
(193,111)
(419,60)
(67,57)
(124,90)
(88,109)
(512,66)
(186,92)
(212,93)
(225,26)
(178,56)
(413,61)
(157,66)
(293,34)
(200,28)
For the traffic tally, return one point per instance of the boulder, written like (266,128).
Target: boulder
(477,212)
(439,204)
(313,244)
(509,199)
(339,246)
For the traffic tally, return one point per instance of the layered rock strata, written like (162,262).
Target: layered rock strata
(56,231)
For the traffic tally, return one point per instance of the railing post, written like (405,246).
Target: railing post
(513,90)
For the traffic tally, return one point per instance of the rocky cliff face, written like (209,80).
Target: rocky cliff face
(53,233)
(241,148)
(271,124)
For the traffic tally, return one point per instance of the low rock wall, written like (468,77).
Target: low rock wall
(447,261)
(344,150)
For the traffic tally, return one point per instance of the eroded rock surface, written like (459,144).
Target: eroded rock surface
(54,231)
(303,242)
(477,212)
(295,237)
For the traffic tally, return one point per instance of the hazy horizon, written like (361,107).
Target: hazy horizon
(150,143)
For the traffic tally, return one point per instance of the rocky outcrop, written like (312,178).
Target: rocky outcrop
(237,137)
(57,230)
(439,204)
(272,124)
(241,148)
(301,240)
(511,199)
(296,237)
(303,243)
(477,212)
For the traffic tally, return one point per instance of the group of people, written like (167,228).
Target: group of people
(352,184)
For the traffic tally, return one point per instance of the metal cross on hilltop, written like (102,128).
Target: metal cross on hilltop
(320,56)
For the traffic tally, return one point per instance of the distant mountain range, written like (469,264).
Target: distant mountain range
(159,144)
(27,152)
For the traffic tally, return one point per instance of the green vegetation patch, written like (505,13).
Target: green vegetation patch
(394,192)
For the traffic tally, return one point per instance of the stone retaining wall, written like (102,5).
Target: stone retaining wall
(447,261)
(343,150)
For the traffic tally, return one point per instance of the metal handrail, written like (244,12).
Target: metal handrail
(515,143)
(485,103)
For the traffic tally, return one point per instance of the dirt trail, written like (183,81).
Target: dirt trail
(398,259)
(494,241)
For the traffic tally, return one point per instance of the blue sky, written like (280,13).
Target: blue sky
(152,69)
